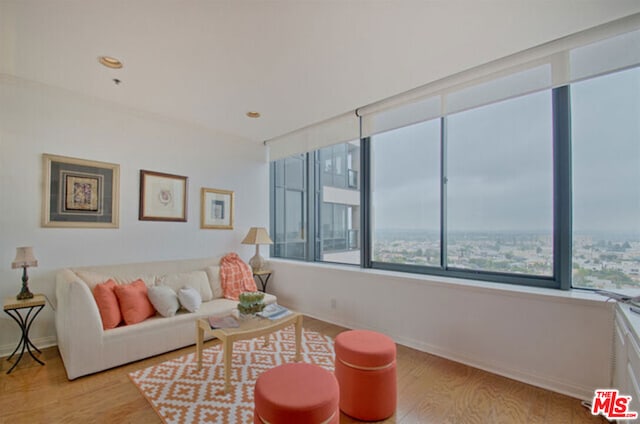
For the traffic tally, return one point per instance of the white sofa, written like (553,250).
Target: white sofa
(86,348)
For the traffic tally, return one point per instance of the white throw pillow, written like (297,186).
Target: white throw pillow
(197,280)
(189,298)
(213,272)
(164,300)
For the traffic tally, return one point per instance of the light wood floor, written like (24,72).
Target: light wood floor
(430,390)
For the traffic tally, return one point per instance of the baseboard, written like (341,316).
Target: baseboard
(584,393)
(40,343)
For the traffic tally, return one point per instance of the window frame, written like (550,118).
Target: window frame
(312,189)
(562,231)
(579,144)
(272,207)
(584,55)
(561,138)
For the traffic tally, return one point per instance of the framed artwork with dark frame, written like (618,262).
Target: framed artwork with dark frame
(163,197)
(80,193)
(216,209)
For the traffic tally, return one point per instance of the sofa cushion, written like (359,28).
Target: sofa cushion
(189,299)
(148,279)
(134,302)
(213,272)
(108,306)
(164,300)
(197,280)
(93,278)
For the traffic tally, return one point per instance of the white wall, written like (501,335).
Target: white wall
(36,119)
(553,339)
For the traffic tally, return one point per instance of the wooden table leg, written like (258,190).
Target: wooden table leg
(227,349)
(299,339)
(199,343)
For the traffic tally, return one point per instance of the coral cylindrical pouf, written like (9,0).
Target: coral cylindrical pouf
(366,372)
(296,393)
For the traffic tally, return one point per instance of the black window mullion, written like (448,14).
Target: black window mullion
(443,193)
(562,204)
(317,191)
(272,207)
(365,206)
(312,205)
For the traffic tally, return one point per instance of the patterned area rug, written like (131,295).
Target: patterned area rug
(181,394)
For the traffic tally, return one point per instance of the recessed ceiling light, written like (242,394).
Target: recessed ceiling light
(253,114)
(110,62)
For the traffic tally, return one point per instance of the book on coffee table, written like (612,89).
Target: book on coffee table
(227,321)
(274,311)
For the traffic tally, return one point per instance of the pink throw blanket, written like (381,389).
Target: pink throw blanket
(235,276)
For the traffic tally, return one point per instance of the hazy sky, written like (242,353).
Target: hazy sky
(499,167)
(606,171)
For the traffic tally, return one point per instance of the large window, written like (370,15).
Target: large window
(405,199)
(289,207)
(492,207)
(524,171)
(339,203)
(332,206)
(500,187)
(606,181)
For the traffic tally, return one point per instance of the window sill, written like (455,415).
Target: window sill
(571,295)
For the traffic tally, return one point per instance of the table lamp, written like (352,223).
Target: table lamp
(257,236)
(24,259)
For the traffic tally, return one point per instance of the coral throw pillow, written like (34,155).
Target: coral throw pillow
(134,302)
(107,302)
(235,277)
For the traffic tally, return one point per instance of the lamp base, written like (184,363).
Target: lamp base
(257,263)
(24,293)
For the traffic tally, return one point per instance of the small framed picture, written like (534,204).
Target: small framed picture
(216,209)
(80,193)
(163,197)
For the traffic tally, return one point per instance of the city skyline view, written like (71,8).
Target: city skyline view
(600,261)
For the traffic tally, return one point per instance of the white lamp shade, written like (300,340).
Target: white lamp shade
(257,235)
(24,258)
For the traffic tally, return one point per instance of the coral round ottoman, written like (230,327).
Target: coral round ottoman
(296,393)
(366,372)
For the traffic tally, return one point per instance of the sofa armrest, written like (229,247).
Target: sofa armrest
(78,325)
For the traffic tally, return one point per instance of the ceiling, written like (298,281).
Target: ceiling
(208,62)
